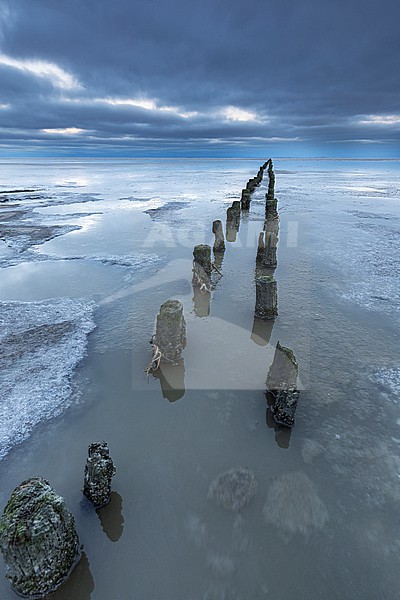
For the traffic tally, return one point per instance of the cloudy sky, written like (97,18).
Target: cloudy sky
(200,78)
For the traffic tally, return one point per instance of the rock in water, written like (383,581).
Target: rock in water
(38,539)
(170,334)
(99,471)
(233,489)
(282,385)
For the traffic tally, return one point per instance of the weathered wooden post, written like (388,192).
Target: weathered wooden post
(202,267)
(266,297)
(271,181)
(219,242)
(170,336)
(231,231)
(267,245)
(236,208)
(232,221)
(99,471)
(245,199)
(38,539)
(282,385)
(271,209)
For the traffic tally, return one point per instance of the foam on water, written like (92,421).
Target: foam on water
(41,344)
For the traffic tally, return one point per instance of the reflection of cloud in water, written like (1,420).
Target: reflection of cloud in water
(172,272)
(111,518)
(222,565)
(233,489)
(197,530)
(164,211)
(41,343)
(311,449)
(293,504)
(240,541)
(221,591)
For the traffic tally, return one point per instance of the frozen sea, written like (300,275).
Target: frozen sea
(89,250)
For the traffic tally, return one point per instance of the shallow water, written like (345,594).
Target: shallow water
(322,523)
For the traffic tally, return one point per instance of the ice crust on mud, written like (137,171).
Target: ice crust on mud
(388,379)
(41,343)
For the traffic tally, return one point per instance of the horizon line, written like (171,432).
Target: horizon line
(115,158)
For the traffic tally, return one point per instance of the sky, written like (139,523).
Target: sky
(205,78)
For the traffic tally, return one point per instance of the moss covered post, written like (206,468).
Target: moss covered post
(282,385)
(38,539)
(266,297)
(170,334)
(219,242)
(99,471)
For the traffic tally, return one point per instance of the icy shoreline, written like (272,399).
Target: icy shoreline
(41,344)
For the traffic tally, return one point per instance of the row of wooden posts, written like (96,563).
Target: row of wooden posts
(170,337)
(38,538)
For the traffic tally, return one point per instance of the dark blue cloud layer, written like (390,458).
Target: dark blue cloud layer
(316,75)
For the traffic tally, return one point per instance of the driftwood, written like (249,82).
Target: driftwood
(213,266)
(156,357)
(198,282)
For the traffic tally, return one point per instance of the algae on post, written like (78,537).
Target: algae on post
(170,334)
(38,538)
(99,471)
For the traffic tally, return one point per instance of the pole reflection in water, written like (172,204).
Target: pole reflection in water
(201,301)
(201,281)
(172,380)
(218,259)
(232,221)
(262,330)
(282,433)
(80,584)
(111,517)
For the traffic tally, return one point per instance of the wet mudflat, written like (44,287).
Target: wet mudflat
(88,298)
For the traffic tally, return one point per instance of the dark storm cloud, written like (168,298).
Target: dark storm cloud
(314,71)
